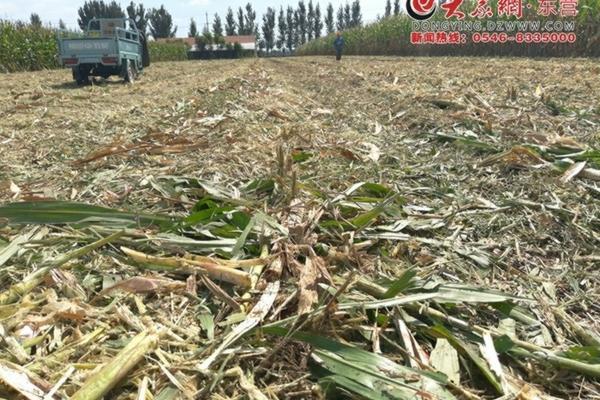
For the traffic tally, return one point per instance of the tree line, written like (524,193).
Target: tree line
(284,29)
(388,8)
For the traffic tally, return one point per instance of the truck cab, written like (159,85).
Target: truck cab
(109,46)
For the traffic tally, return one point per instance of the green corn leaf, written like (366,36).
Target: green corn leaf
(400,284)
(368,374)
(365,219)
(587,354)
(465,349)
(61,212)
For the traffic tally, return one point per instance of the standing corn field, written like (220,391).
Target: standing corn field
(26,47)
(162,51)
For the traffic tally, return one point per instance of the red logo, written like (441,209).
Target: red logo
(420,9)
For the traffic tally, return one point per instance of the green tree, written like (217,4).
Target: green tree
(282,30)
(301,22)
(347,16)
(217,27)
(388,8)
(193,32)
(237,49)
(356,19)
(35,20)
(340,19)
(329,19)
(61,24)
(268,29)
(310,21)
(138,14)
(161,23)
(296,31)
(230,23)
(291,28)
(396,7)
(318,23)
(258,36)
(201,42)
(98,9)
(241,22)
(208,37)
(250,19)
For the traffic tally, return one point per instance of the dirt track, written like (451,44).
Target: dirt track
(423,126)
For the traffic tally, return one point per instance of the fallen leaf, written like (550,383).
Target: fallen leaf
(444,358)
(308,284)
(140,284)
(573,171)
(20,382)
(15,190)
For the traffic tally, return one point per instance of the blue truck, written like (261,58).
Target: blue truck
(108,47)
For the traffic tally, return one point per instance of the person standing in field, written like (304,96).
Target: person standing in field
(338,44)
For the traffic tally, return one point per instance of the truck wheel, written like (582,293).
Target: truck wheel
(80,76)
(129,75)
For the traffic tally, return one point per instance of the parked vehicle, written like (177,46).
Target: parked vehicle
(108,47)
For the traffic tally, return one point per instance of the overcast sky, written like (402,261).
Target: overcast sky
(53,10)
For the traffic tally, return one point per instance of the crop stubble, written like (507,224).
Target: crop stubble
(462,160)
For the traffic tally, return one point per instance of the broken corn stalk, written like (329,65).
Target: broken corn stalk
(237,264)
(214,271)
(35,278)
(60,356)
(100,383)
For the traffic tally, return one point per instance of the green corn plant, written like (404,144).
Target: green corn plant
(26,48)
(167,51)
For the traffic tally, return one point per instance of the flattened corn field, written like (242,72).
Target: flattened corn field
(382,228)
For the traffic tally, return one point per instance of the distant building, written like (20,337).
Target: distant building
(248,42)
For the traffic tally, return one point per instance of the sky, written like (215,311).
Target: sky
(53,10)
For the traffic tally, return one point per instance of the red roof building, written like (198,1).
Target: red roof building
(248,42)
